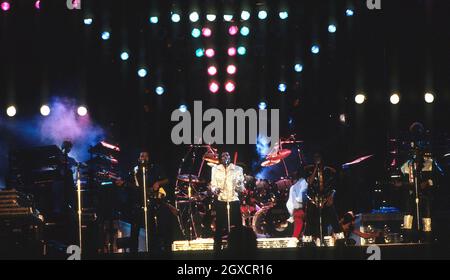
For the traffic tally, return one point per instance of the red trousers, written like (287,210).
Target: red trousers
(299,216)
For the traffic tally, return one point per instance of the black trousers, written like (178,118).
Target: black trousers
(222,219)
(425,199)
(160,227)
(329,218)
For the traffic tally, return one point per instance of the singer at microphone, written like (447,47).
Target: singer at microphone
(227,181)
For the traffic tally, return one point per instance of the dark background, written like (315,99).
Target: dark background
(402,48)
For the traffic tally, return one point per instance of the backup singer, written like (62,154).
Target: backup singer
(423,168)
(227,181)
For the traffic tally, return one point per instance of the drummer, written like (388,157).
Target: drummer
(295,203)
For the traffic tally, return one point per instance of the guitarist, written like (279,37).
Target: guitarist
(159,214)
(320,205)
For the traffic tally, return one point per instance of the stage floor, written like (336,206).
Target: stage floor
(410,251)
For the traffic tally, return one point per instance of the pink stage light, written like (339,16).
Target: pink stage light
(231,51)
(37,4)
(212,70)
(233,30)
(230,86)
(210,52)
(214,87)
(207,32)
(5,6)
(231,69)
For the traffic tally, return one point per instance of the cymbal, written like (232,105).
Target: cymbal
(279,155)
(189,178)
(291,141)
(356,161)
(211,158)
(270,162)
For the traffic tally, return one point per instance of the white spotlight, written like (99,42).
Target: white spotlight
(82,111)
(211,17)
(193,17)
(45,110)
(395,99)
(183,108)
(245,15)
(11,111)
(142,72)
(175,17)
(360,98)
(88,21)
(262,14)
(227,17)
(332,28)
(429,97)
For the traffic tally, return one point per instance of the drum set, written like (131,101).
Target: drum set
(263,203)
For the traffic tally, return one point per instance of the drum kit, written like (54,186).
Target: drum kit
(263,204)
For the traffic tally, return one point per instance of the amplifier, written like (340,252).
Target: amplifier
(14,204)
(389,224)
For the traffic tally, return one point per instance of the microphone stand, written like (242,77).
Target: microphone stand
(144,192)
(228,202)
(416,187)
(79,210)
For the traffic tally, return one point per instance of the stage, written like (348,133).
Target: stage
(387,252)
(130,124)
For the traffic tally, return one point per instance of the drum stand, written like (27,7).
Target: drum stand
(284,162)
(180,224)
(191,216)
(192,230)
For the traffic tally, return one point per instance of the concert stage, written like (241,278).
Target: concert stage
(387,252)
(126,125)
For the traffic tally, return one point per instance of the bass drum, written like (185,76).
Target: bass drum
(272,222)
